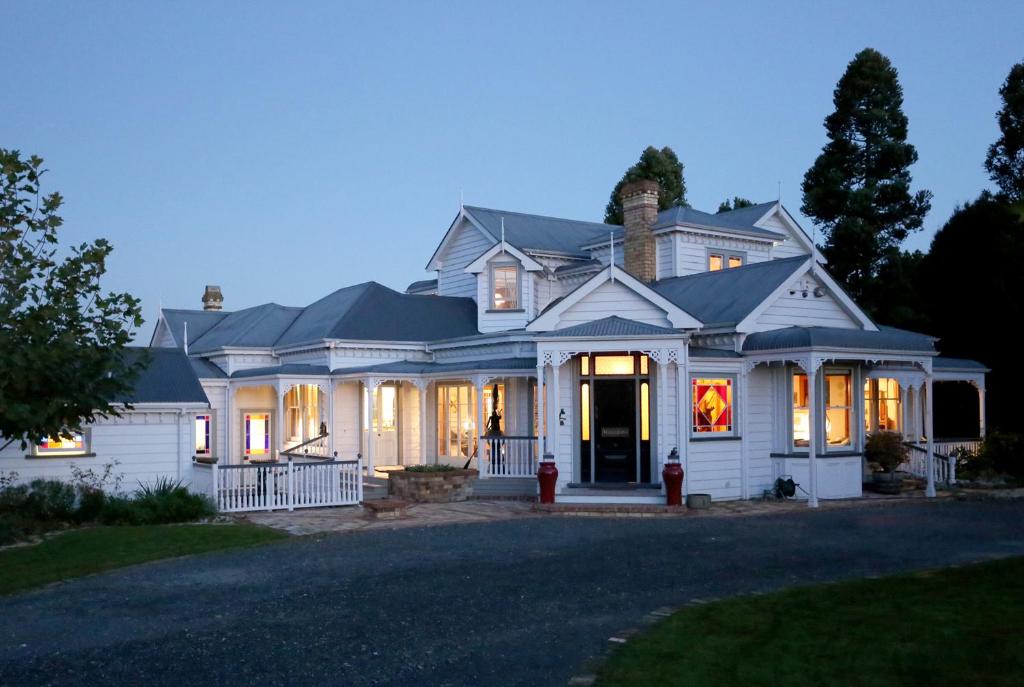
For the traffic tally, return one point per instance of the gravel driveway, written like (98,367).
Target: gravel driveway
(517,602)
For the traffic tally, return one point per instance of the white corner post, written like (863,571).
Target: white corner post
(903,410)
(981,409)
(278,441)
(660,358)
(741,429)
(812,430)
(423,386)
(928,408)
(330,419)
(481,423)
(371,389)
(229,422)
(556,405)
(684,416)
(541,409)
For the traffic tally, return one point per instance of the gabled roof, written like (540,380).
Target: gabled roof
(199,322)
(256,327)
(205,369)
(540,233)
(725,297)
(610,326)
(167,378)
(885,339)
(735,221)
(372,312)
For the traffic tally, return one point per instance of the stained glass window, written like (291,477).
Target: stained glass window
(62,445)
(257,434)
(203,445)
(712,405)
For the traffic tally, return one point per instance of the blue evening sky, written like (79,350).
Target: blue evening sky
(284,150)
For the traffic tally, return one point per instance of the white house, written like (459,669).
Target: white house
(722,336)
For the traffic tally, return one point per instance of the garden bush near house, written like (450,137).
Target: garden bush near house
(163,502)
(429,468)
(1001,456)
(886,449)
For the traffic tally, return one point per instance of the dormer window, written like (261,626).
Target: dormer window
(720,260)
(505,287)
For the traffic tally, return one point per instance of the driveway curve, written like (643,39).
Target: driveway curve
(517,602)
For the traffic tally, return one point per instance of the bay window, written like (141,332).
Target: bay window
(882,410)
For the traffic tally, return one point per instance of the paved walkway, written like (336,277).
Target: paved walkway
(520,601)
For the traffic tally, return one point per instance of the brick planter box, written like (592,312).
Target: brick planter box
(431,487)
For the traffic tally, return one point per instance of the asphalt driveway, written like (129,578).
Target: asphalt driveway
(518,602)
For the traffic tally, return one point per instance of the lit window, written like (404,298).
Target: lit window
(302,413)
(735,261)
(715,262)
(505,287)
(882,405)
(712,405)
(68,445)
(585,411)
(722,260)
(257,434)
(838,407)
(584,364)
(203,445)
(801,413)
(456,421)
(645,411)
(613,365)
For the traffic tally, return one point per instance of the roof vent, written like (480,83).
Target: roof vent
(213,299)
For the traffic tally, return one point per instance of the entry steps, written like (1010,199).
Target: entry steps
(612,494)
(505,488)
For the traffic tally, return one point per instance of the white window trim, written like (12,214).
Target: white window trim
(491,306)
(725,255)
(84,452)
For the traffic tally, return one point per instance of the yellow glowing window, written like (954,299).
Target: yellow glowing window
(613,365)
(838,407)
(505,293)
(643,364)
(801,413)
(203,445)
(735,261)
(645,411)
(257,434)
(712,405)
(62,445)
(584,364)
(715,262)
(882,405)
(585,411)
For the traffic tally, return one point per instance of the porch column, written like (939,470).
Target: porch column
(423,386)
(229,422)
(812,431)
(660,414)
(330,418)
(556,405)
(371,389)
(681,391)
(541,408)
(981,409)
(278,441)
(481,422)
(686,418)
(903,410)
(930,489)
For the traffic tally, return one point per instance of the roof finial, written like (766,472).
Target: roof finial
(186,338)
(503,233)
(462,198)
(611,254)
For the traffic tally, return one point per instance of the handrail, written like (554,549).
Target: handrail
(294,450)
(298,466)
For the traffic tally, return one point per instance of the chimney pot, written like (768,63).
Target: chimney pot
(639,214)
(213,299)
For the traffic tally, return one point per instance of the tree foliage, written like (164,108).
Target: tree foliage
(1005,159)
(61,337)
(858,189)
(971,283)
(735,204)
(662,166)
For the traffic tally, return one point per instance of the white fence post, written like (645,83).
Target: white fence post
(291,484)
(214,491)
(359,478)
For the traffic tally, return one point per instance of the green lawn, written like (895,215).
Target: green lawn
(962,626)
(86,551)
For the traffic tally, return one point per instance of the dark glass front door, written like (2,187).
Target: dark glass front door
(615,439)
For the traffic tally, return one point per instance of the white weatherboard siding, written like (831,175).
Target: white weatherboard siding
(612,298)
(690,251)
(757,431)
(788,248)
(346,426)
(793,309)
(713,467)
(146,444)
(466,245)
(217,393)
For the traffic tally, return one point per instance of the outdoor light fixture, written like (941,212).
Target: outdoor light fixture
(561,417)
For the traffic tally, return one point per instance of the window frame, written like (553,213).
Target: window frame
(211,432)
(271,427)
(725,254)
(492,268)
(851,409)
(818,414)
(732,432)
(84,452)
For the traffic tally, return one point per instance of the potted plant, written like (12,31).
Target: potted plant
(887,451)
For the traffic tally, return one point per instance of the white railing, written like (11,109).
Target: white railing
(274,486)
(508,456)
(315,448)
(947,447)
(917,465)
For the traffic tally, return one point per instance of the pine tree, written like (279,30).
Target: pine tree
(735,204)
(858,190)
(1005,160)
(662,166)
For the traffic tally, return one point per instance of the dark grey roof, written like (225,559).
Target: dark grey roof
(704,352)
(297,369)
(725,297)
(580,266)
(199,322)
(944,363)
(167,378)
(611,326)
(540,233)
(886,339)
(735,221)
(205,369)
(371,312)
(407,367)
(256,327)
(421,286)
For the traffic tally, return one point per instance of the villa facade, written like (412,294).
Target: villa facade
(721,337)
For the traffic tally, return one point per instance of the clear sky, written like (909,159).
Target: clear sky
(284,150)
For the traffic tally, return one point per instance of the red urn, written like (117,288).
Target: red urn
(547,476)
(672,477)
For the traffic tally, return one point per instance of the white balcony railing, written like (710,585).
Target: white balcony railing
(280,486)
(505,456)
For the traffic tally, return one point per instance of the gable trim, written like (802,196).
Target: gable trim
(480,264)
(795,230)
(679,318)
(432,264)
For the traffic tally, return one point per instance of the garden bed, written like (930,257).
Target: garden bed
(432,486)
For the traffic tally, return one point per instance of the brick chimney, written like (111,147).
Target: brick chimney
(639,213)
(213,299)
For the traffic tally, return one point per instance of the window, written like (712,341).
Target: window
(838,408)
(456,424)
(505,287)
(801,412)
(257,434)
(720,260)
(613,365)
(712,405)
(645,411)
(302,413)
(204,425)
(585,411)
(882,405)
(71,444)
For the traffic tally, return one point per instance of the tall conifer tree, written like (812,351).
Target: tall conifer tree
(1005,160)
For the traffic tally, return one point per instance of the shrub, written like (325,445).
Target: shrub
(887,449)
(91,503)
(50,500)
(1003,454)
(429,468)
(164,501)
